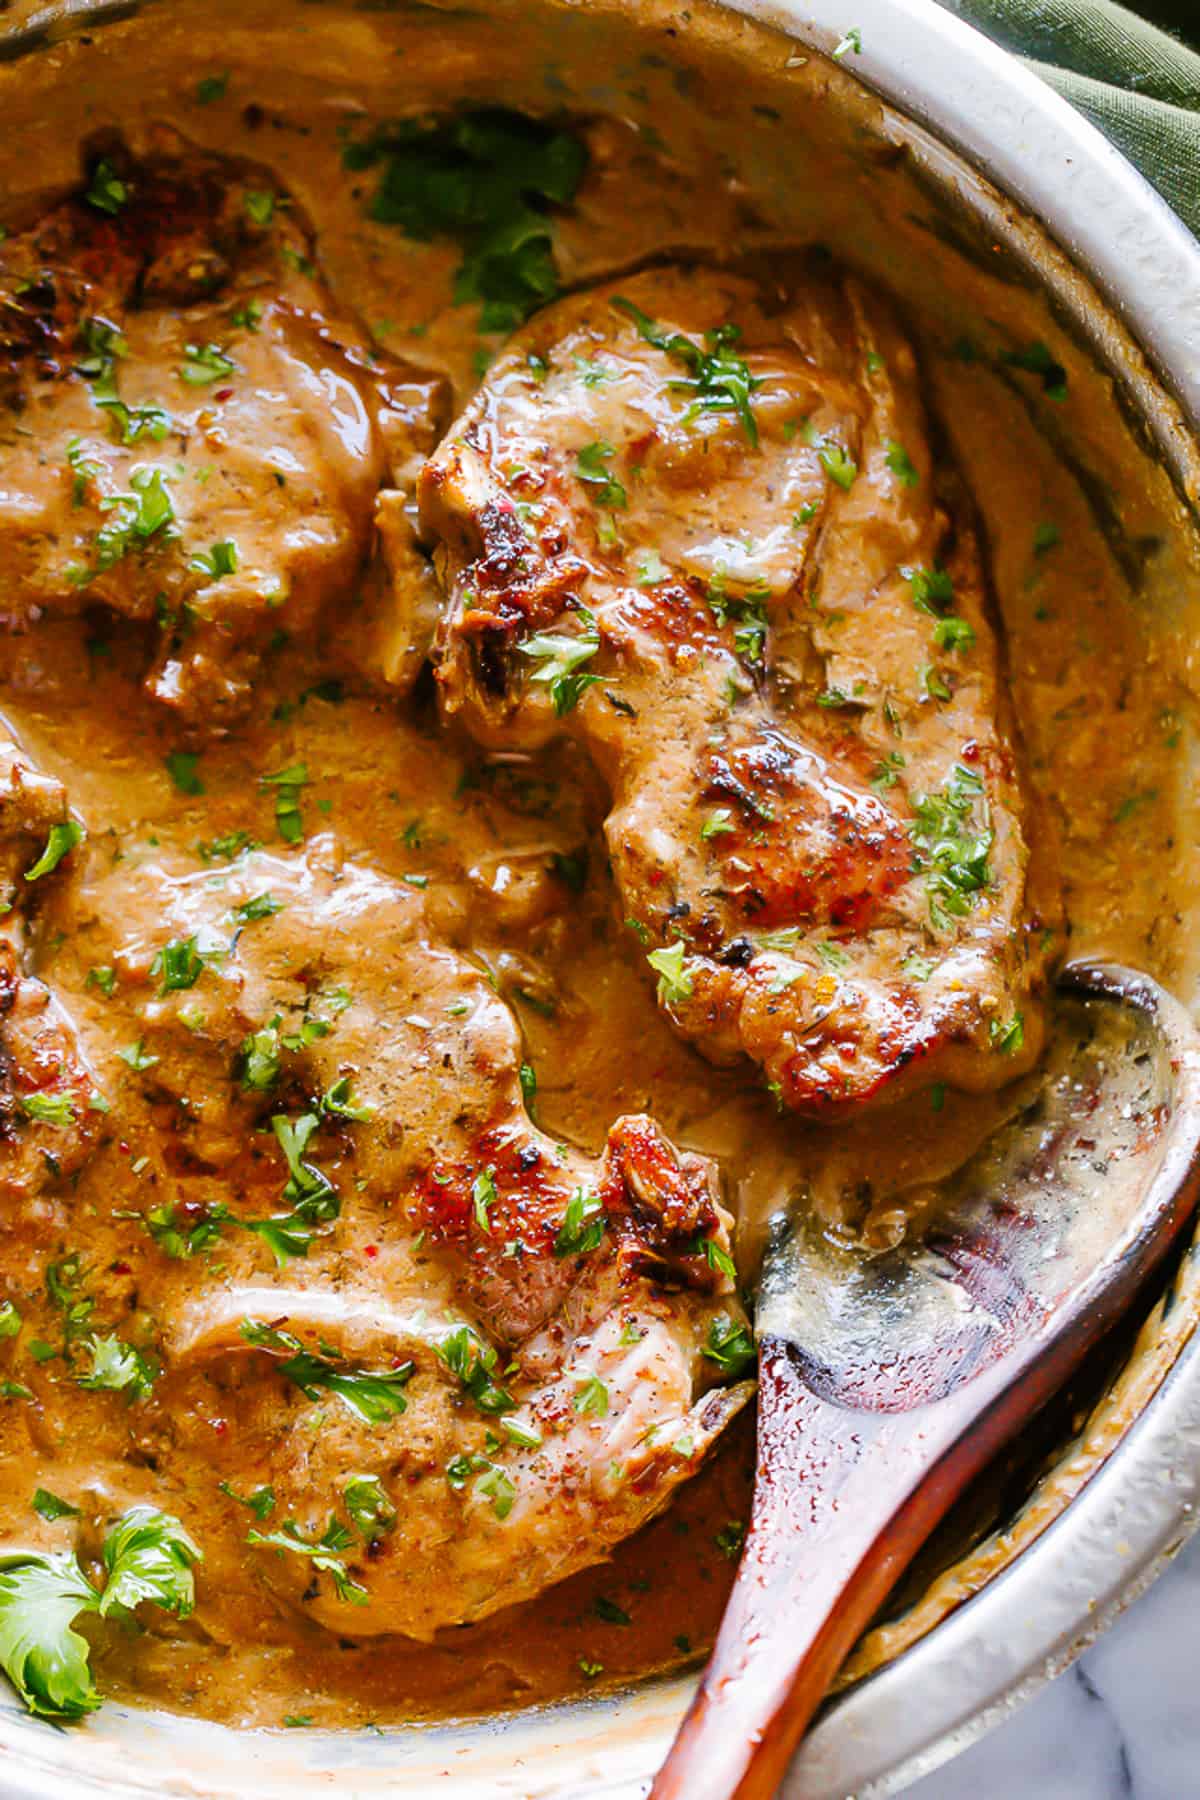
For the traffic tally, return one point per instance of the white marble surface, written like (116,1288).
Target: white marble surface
(1124,1721)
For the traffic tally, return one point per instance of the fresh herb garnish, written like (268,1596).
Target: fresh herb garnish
(719,378)
(583,1226)
(901,464)
(560,659)
(1007,1035)
(183,766)
(48,1109)
(591,467)
(475,1363)
(674,981)
(61,841)
(1037,359)
(288,784)
(51,1507)
(485,179)
(117,1368)
(323,1553)
(261,1502)
(370,1506)
(179,964)
(261,906)
(951,841)
(205,363)
(106,191)
(221,560)
(148,1556)
(730,1345)
(373,1396)
(591,1396)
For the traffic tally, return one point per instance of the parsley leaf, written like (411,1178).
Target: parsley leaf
(44,1659)
(50,1507)
(591,468)
(474,1363)
(149,1557)
(370,1506)
(373,1396)
(106,190)
(287,784)
(674,981)
(117,1368)
(62,839)
(485,179)
(322,1553)
(583,1226)
(560,657)
(183,766)
(720,379)
(951,848)
(730,1345)
(205,363)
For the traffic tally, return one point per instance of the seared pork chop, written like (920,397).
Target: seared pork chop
(699,526)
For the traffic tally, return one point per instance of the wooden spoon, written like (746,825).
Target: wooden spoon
(887,1383)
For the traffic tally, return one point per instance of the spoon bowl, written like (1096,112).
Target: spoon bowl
(888,1382)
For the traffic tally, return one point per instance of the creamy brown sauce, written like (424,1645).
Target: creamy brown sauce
(1101,688)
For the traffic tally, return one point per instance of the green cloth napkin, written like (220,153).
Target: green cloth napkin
(1141,87)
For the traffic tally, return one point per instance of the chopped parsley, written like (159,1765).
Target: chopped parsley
(259,1060)
(51,1507)
(211,87)
(179,964)
(106,191)
(1007,1035)
(483,1198)
(748,612)
(117,1368)
(717,823)
(837,464)
(261,906)
(591,467)
(323,1553)
(221,560)
(375,1396)
(487,179)
(474,1363)
(1036,359)
(583,1226)
(133,520)
(591,1396)
(729,1344)
(901,464)
(260,205)
(951,842)
(370,1507)
(261,1502)
(48,1109)
(288,784)
(718,377)
(62,839)
(560,659)
(674,981)
(205,363)
(183,766)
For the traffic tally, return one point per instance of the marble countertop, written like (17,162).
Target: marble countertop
(1124,1721)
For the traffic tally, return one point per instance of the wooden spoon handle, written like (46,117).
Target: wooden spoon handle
(829,1537)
